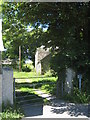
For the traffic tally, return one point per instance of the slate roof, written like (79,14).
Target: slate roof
(42,53)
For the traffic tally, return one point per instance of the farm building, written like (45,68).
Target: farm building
(42,60)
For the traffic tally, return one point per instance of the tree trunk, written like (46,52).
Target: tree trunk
(59,87)
(61,83)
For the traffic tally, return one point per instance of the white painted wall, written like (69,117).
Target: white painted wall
(37,64)
(7,86)
(36,60)
(38,68)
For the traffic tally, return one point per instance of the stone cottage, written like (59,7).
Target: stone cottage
(42,60)
(42,64)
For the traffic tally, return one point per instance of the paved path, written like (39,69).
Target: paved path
(44,95)
(57,109)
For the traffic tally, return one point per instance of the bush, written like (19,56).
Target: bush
(10,112)
(77,96)
(50,73)
(27,67)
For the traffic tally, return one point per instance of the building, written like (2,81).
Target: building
(42,60)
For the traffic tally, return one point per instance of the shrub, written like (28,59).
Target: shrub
(27,67)
(77,96)
(50,73)
(10,112)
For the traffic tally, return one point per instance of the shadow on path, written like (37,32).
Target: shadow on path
(30,103)
(72,109)
(56,108)
(32,110)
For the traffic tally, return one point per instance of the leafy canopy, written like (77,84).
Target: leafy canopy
(67,30)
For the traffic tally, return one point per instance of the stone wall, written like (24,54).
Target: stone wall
(70,74)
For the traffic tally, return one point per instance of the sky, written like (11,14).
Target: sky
(28,61)
(30,28)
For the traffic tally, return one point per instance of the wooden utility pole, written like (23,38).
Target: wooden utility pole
(19,58)
(0,63)
(1,42)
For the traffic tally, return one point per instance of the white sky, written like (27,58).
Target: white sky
(28,61)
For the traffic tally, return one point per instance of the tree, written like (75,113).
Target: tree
(67,26)
(16,33)
(67,31)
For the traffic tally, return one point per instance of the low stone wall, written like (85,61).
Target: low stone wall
(7,86)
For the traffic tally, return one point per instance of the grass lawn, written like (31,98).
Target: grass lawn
(31,77)
(25,79)
(24,74)
(44,84)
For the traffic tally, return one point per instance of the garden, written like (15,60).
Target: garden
(61,27)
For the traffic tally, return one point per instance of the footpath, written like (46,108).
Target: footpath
(56,109)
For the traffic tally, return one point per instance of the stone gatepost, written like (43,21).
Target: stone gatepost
(1,49)
(70,74)
(7,86)
(6,77)
(0,84)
